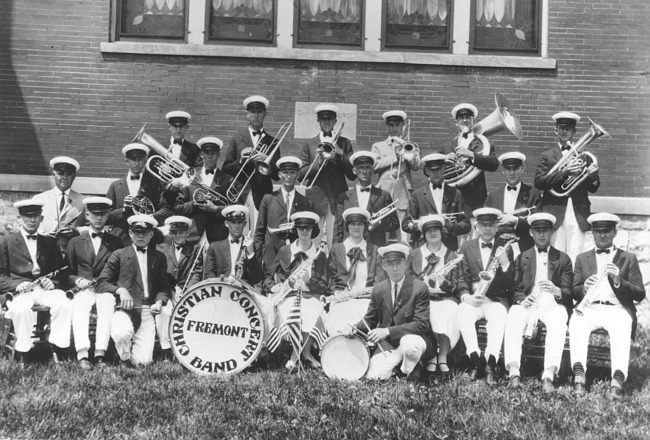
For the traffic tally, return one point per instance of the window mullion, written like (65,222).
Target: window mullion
(461,27)
(373,17)
(196,23)
(284,25)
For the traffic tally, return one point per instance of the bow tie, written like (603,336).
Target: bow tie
(179,247)
(234,240)
(540,250)
(436,186)
(143,250)
(258,132)
(486,245)
(511,188)
(327,134)
(366,189)
(209,171)
(602,251)
(34,236)
(566,147)
(135,177)
(178,142)
(464,135)
(356,254)
(433,259)
(97,234)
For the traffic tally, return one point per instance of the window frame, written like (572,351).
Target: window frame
(296,22)
(208,41)
(116,26)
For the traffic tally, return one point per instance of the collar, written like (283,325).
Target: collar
(349,244)
(518,186)
(25,234)
(284,192)
(295,248)
(129,174)
(440,254)
(400,283)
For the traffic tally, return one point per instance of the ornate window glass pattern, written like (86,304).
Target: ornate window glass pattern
(151,18)
(242,20)
(330,22)
(506,25)
(417,24)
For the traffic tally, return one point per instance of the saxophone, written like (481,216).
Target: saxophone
(280,291)
(430,280)
(591,294)
(487,276)
(346,295)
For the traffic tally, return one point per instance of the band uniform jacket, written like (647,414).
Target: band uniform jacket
(631,288)
(273,213)
(16,264)
(401,188)
(282,268)
(331,181)
(378,199)
(559,272)
(408,316)
(117,218)
(178,271)
(81,256)
(557,205)
(259,185)
(339,274)
(422,204)
(415,266)
(218,263)
(527,198)
(74,206)
(213,224)
(501,287)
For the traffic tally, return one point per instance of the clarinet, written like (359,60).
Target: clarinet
(70,294)
(34,284)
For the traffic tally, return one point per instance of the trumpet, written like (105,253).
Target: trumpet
(264,167)
(139,204)
(38,282)
(579,157)
(406,150)
(327,152)
(70,294)
(384,212)
(516,212)
(284,227)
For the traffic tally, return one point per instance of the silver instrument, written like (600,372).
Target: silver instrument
(327,152)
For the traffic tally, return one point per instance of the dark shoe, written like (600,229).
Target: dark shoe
(416,374)
(59,354)
(473,374)
(100,362)
(515,381)
(167,355)
(547,386)
(489,375)
(22,360)
(85,364)
(616,393)
(579,389)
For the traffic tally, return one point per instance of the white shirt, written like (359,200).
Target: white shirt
(437,196)
(234,252)
(424,250)
(541,268)
(363,196)
(96,241)
(324,138)
(605,292)
(142,263)
(394,294)
(207,179)
(134,185)
(485,252)
(175,148)
(32,247)
(295,248)
(255,137)
(510,198)
(292,195)
(361,277)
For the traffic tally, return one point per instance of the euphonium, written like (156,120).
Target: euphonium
(327,152)
(576,155)
(487,276)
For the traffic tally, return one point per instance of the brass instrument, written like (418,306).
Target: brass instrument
(384,212)
(66,228)
(196,267)
(241,257)
(280,291)
(327,152)
(406,150)
(458,170)
(430,281)
(263,167)
(487,276)
(577,156)
(510,229)
(346,295)
(284,227)
(592,293)
(70,294)
(516,212)
(34,284)
(140,205)
(451,215)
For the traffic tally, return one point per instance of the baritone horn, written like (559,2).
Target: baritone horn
(406,150)
(577,156)
(140,204)
(458,171)
(327,151)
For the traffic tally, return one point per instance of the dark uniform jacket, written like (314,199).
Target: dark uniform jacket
(416,267)
(378,199)
(179,270)
(339,274)
(218,263)
(81,256)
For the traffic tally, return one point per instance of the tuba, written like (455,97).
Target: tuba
(578,156)
(327,152)
(458,171)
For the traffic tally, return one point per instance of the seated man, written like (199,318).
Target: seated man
(136,274)
(398,319)
(543,281)
(86,256)
(29,266)
(438,267)
(606,284)
(482,298)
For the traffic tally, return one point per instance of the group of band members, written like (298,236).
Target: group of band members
(416,301)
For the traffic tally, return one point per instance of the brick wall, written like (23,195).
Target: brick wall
(60,95)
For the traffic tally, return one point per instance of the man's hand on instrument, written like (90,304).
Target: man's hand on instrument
(378,334)
(614,273)
(589,282)
(156,308)
(248,244)
(591,169)
(472,300)
(465,152)
(128,201)
(126,300)
(573,168)
(504,260)
(527,302)
(46,284)
(22,287)
(550,288)
(208,207)
(83,283)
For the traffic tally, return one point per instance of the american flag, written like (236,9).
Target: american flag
(294,324)
(277,331)
(319,333)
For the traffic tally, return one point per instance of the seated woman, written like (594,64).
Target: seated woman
(437,266)
(284,282)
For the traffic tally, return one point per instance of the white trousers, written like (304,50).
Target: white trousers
(554,316)
(24,318)
(409,352)
(162,325)
(401,236)
(444,320)
(616,321)
(252,214)
(569,238)
(136,346)
(495,314)
(81,305)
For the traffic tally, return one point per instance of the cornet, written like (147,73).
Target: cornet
(327,152)
(406,150)
(382,214)
(284,227)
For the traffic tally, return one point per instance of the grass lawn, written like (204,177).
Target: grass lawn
(165,401)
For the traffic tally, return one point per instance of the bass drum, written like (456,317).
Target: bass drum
(217,328)
(345,358)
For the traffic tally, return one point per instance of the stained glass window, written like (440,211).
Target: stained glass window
(328,22)
(152,18)
(242,20)
(506,25)
(417,24)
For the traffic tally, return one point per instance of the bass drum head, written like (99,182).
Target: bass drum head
(216,328)
(345,358)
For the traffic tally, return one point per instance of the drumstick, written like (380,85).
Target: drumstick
(357,330)
(369,330)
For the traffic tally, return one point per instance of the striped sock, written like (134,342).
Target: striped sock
(618,378)
(578,369)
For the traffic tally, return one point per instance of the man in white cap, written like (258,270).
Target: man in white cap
(606,285)
(178,122)
(241,151)
(468,146)
(397,319)
(371,198)
(334,167)
(542,292)
(437,198)
(86,256)
(29,275)
(515,196)
(395,174)
(63,206)
(276,209)
(572,229)
(486,299)
(136,275)
(132,194)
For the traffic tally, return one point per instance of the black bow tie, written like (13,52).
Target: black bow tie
(511,188)
(258,132)
(135,177)
(209,171)
(540,250)
(356,254)
(465,135)
(566,147)
(363,190)
(178,247)
(97,234)
(602,251)
(34,236)
(486,245)
(143,250)
(234,240)
(436,186)
(433,259)
(178,142)
(327,134)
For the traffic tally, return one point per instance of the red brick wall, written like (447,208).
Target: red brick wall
(60,95)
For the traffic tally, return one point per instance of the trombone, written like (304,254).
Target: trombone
(327,151)
(406,150)
(263,167)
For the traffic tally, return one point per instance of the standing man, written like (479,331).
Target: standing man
(572,229)
(543,282)
(606,285)
(370,198)
(515,195)
(393,177)
(178,122)
(328,186)
(240,149)
(87,254)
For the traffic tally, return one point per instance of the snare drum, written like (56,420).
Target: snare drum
(345,358)
(343,314)
(217,328)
